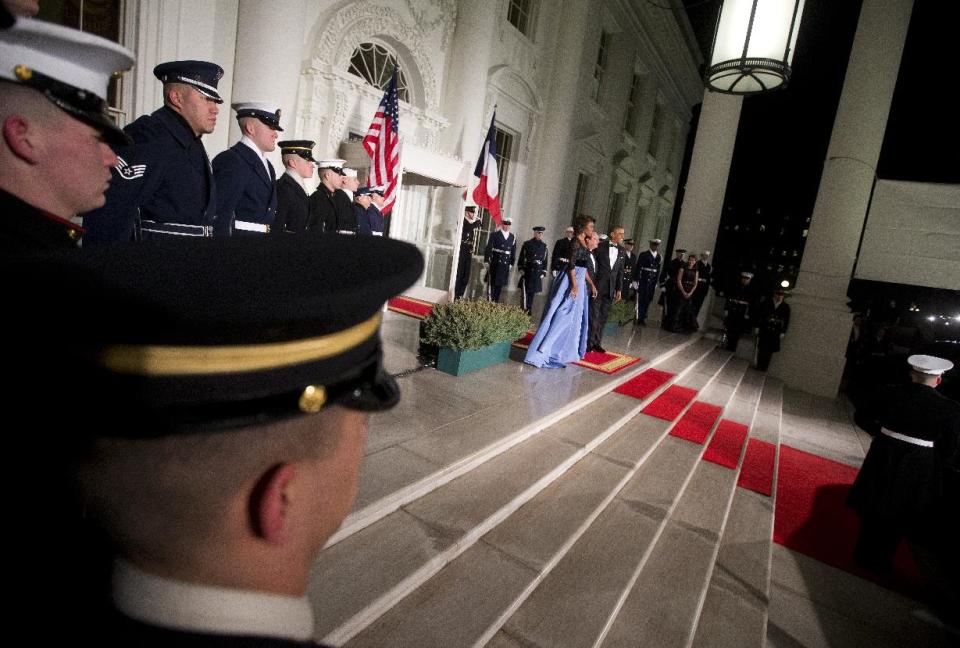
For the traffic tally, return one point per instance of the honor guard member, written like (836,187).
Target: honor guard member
(738,311)
(629,263)
(705,275)
(532,265)
(55,157)
(469,235)
(668,283)
(645,275)
(350,182)
(343,197)
(907,486)
(773,320)
(206,423)
(293,201)
(377,217)
(324,207)
(246,181)
(500,253)
(164,181)
(361,206)
(561,252)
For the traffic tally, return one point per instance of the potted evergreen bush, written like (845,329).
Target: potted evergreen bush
(621,312)
(472,335)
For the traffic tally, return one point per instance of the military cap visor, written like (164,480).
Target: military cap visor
(303,148)
(539,228)
(71,69)
(266,113)
(202,75)
(170,342)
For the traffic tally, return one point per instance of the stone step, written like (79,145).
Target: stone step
(361,577)
(664,602)
(424,459)
(734,612)
(572,604)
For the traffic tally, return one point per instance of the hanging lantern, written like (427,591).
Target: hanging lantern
(753,45)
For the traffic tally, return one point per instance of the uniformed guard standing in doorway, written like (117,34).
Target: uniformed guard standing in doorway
(324,207)
(629,263)
(246,181)
(704,274)
(773,320)
(468,241)
(379,222)
(668,282)
(561,252)
(532,265)
(293,202)
(645,274)
(163,183)
(53,88)
(738,311)
(500,253)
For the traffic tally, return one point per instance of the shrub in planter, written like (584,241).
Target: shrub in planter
(466,330)
(621,312)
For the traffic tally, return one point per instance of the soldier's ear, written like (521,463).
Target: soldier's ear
(20,136)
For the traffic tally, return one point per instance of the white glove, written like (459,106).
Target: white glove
(634,285)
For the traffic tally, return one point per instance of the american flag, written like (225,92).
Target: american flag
(382,144)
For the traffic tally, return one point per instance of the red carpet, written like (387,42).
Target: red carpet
(410,306)
(670,403)
(608,363)
(725,446)
(697,422)
(645,384)
(812,517)
(757,471)
(524,342)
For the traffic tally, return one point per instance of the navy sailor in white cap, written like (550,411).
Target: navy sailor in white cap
(245,178)
(908,485)
(55,157)
(163,183)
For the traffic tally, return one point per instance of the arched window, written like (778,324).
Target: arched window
(374,64)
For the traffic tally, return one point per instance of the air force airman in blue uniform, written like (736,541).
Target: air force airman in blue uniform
(163,184)
(245,178)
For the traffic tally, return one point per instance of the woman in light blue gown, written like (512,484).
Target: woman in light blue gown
(565,326)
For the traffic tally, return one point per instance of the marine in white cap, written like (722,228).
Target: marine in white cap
(561,252)
(350,182)
(907,487)
(646,273)
(738,309)
(327,210)
(55,157)
(163,185)
(245,177)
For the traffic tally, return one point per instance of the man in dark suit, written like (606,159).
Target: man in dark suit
(163,183)
(646,273)
(293,201)
(246,181)
(500,253)
(668,283)
(217,474)
(609,258)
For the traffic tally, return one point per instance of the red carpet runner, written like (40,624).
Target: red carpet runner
(524,342)
(697,422)
(410,306)
(725,446)
(812,517)
(608,363)
(757,471)
(670,403)
(645,384)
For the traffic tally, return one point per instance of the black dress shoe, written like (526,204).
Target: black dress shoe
(599,349)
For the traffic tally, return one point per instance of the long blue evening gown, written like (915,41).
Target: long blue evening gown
(562,336)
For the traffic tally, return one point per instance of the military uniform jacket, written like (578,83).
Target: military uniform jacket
(647,270)
(246,190)
(669,277)
(346,216)
(164,176)
(609,278)
(561,254)
(375,221)
(629,263)
(740,302)
(500,253)
(468,237)
(772,320)
(325,210)
(25,229)
(704,270)
(532,264)
(293,207)
(906,482)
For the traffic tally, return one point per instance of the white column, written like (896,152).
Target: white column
(707,178)
(268,61)
(813,352)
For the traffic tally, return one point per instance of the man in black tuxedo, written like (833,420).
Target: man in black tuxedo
(609,258)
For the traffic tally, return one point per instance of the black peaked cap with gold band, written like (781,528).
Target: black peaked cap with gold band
(303,148)
(159,338)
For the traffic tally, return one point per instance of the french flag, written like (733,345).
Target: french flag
(487,192)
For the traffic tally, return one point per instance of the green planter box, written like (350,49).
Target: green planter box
(457,363)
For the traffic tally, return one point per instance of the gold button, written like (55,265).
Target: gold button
(313,399)
(23,72)
(73,234)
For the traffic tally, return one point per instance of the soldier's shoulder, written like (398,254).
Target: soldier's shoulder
(147,128)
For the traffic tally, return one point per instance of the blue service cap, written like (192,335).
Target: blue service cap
(539,228)
(202,75)
(363,191)
(268,113)
(171,344)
